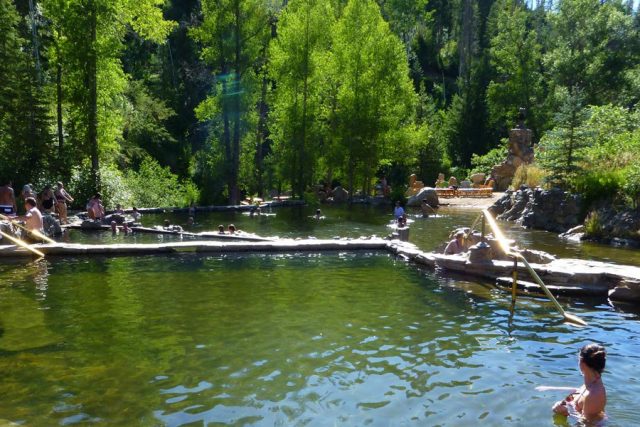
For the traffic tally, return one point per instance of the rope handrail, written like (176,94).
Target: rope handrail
(504,244)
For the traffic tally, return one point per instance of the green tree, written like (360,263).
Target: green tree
(560,149)
(232,34)
(374,98)
(594,45)
(25,139)
(516,57)
(296,64)
(89,39)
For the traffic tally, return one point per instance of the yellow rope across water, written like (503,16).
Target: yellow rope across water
(21,243)
(504,243)
(36,233)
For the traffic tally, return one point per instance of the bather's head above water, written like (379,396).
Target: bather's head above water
(594,356)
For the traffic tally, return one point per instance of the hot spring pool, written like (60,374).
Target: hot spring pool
(300,339)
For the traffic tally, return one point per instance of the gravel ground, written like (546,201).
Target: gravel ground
(470,202)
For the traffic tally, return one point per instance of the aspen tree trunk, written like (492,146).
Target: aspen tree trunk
(92,107)
(59,109)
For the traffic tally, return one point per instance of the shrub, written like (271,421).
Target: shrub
(631,186)
(311,198)
(397,193)
(530,175)
(486,162)
(114,187)
(153,185)
(599,185)
(593,225)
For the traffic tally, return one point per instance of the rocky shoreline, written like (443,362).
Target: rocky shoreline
(561,212)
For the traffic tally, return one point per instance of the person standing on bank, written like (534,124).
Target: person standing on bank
(7,199)
(47,199)
(62,197)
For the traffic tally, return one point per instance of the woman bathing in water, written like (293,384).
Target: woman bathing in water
(589,400)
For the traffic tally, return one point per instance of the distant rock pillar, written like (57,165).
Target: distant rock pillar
(520,151)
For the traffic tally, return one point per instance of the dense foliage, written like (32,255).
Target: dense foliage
(222,99)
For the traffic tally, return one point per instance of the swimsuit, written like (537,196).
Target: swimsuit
(6,209)
(60,197)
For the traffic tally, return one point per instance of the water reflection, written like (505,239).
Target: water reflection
(356,339)
(23,294)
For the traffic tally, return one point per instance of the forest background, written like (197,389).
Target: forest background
(164,103)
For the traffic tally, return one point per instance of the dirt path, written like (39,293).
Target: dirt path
(470,202)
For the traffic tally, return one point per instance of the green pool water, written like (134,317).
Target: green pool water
(298,339)
(362,220)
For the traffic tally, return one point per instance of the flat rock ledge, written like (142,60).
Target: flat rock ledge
(562,276)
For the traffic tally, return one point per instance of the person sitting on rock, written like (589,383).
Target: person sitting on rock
(33,223)
(402,221)
(456,246)
(95,209)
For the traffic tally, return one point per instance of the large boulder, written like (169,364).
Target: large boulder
(520,200)
(427,194)
(6,228)
(51,225)
(551,210)
(503,204)
(477,178)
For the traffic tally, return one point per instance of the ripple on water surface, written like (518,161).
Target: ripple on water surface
(360,339)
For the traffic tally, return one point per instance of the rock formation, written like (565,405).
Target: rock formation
(520,152)
(552,210)
(428,194)
(477,179)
